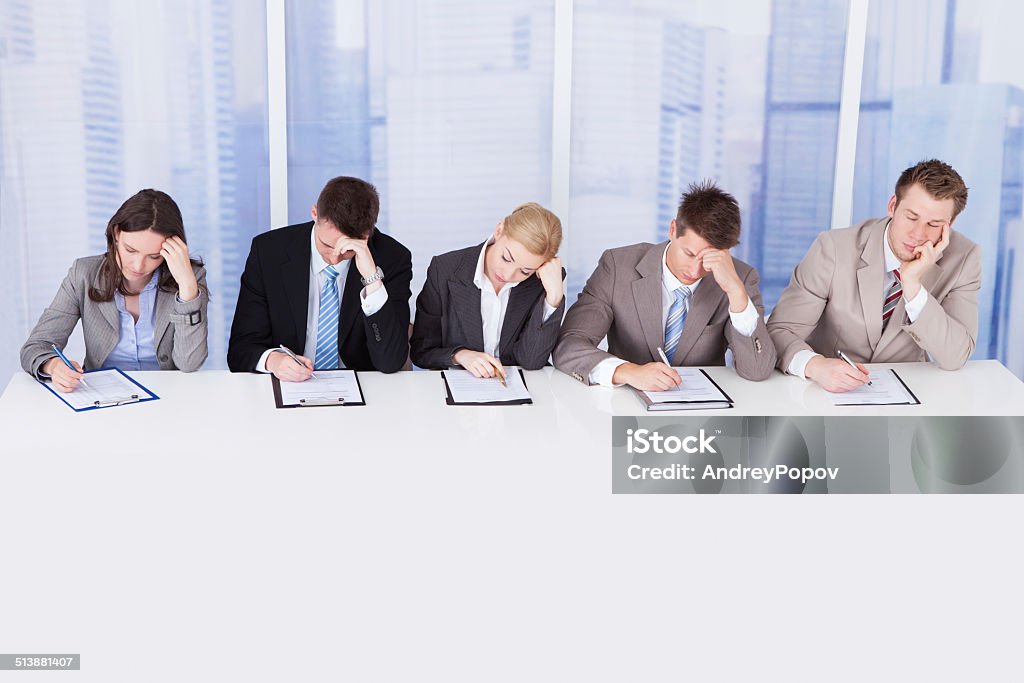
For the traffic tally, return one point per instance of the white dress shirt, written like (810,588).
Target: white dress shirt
(317,278)
(913,307)
(745,322)
(494,304)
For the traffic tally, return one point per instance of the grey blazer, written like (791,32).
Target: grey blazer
(179,328)
(623,300)
(448,316)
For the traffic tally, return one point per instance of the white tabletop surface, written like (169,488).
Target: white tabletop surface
(210,536)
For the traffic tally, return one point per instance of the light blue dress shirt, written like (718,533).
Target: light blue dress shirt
(136,348)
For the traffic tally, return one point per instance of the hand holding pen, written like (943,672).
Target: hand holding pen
(65,374)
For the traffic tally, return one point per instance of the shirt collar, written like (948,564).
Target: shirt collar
(479,278)
(892,261)
(670,281)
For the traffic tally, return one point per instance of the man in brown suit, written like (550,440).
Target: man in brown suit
(686,296)
(887,290)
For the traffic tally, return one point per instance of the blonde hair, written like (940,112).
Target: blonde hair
(535,228)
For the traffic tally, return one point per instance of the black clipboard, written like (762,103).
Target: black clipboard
(279,402)
(696,404)
(517,402)
(915,402)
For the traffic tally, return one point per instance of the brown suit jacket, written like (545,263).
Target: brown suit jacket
(623,300)
(834,301)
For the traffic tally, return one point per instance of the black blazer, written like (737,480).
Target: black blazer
(273,298)
(448,316)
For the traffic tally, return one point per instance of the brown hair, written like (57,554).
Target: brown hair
(938,179)
(145,210)
(351,205)
(535,228)
(710,212)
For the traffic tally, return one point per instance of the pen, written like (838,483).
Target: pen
(501,376)
(664,359)
(295,358)
(67,363)
(847,359)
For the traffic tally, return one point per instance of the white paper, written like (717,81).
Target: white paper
(328,386)
(466,388)
(885,389)
(696,386)
(104,388)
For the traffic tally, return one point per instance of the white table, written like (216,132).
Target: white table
(210,536)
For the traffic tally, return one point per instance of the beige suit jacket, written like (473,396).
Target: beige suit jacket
(623,300)
(834,302)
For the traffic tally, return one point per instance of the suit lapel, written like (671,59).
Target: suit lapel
(465,298)
(870,277)
(295,279)
(351,308)
(703,304)
(647,298)
(520,302)
(112,316)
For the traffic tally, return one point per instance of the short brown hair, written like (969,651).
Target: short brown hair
(351,205)
(535,228)
(939,179)
(711,212)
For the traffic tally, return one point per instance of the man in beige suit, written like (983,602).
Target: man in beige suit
(687,296)
(887,290)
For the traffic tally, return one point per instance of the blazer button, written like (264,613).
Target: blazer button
(163,357)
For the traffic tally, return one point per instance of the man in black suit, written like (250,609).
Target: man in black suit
(335,290)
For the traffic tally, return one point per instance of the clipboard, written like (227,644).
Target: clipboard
(279,399)
(915,402)
(142,396)
(710,404)
(450,400)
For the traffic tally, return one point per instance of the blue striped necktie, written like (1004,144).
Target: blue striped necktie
(327,324)
(676,320)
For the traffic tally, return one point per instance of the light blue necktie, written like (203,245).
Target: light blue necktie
(676,320)
(327,324)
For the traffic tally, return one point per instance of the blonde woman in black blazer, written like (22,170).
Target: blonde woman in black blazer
(497,303)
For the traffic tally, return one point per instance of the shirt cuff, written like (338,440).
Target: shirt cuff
(261,366)
(799,362)
(915,307)
(604,371)
(548,310)
(745,322)
(372,303)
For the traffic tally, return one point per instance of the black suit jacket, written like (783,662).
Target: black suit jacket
(273,299)
(448,316)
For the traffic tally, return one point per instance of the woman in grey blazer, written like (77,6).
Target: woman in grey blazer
(142,304)
(497,303)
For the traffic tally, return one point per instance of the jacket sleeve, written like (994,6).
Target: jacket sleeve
(755,355)
(427,345)
(387,330)
(56,323)
(250,329)
(190,340)
(537,339)
(949,332)
(803,301)
(587,323)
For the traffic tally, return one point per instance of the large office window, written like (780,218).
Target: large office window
(445,105)
(668,93)
(953,89)
(101,98)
